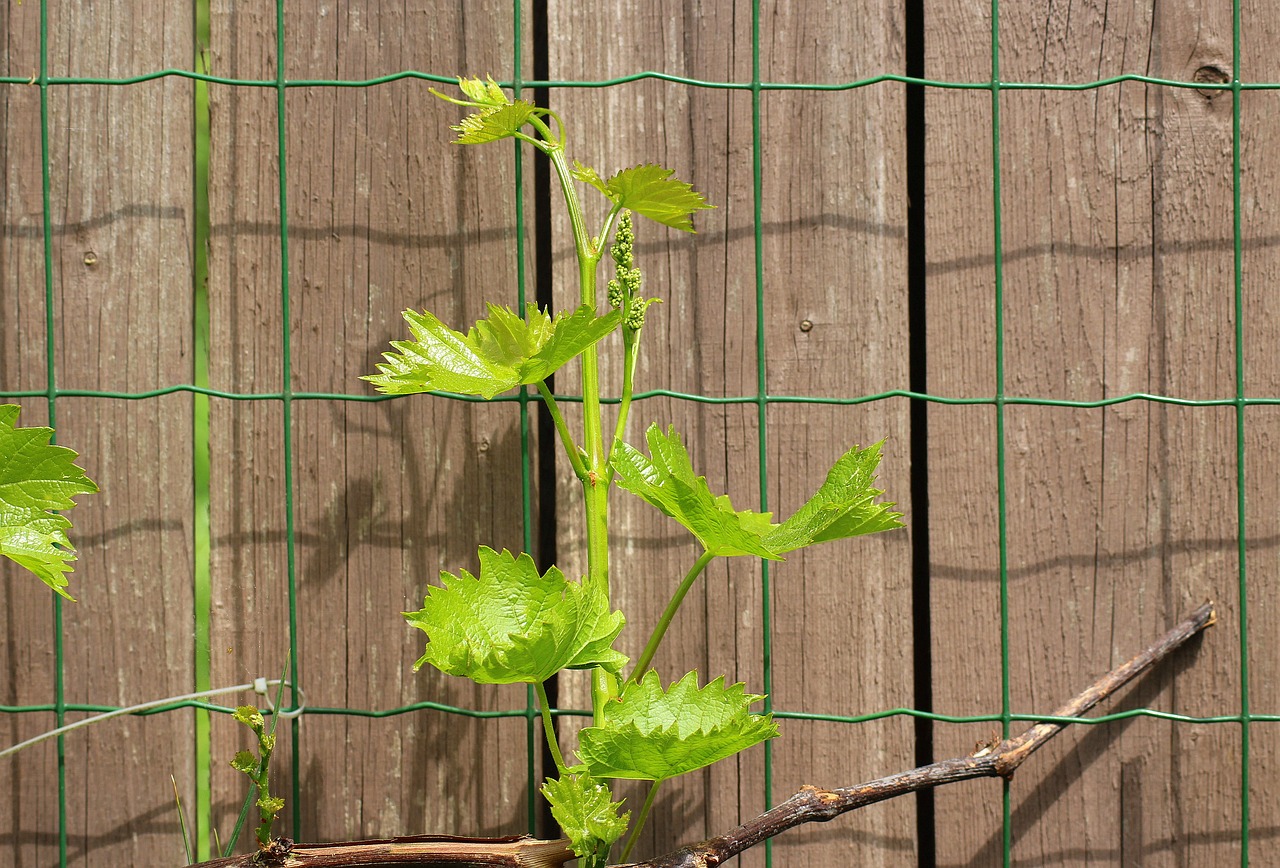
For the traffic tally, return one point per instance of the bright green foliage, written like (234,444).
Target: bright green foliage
(37,478)
(513,625)
(650,190)
(245,762)
(483,92)
(843,507)
(497,354)
(652,735)
(498,117)
(493,125)
(587,815)
(250,716)
(667,482)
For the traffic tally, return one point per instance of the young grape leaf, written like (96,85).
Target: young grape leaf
(651,735)
(245,762)
(37,478)
(667,482)
(650,190)
(497,354)
(843,507)
(586,812)
(491,125)
(513,625)
(588,175)
(484,92)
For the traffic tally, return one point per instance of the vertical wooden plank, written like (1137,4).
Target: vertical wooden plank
(1260,220)
(1117,280)
(386,494)
(834,215)
(835,248)
(249,628)
(120,171)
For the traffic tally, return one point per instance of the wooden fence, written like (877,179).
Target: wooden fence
(1117,277)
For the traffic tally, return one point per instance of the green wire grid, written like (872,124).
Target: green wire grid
(286,396)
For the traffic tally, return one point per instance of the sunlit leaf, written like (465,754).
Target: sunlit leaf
(513,624)
(666,480)
(497,354)
(37,478)
(843,507)
(651,734)
(586,813)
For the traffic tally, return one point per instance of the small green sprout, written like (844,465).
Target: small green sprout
(258,769)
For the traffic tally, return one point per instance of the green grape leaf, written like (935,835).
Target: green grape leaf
(37,478)
(491,125)
(843,507)
(484,92)
(250,716)
(650,190)
(512,625)
(588,175)
(667,482)
(650,734)
(245,762)
(586,812)
(497,354)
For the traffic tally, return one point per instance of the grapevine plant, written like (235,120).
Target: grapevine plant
(513,623)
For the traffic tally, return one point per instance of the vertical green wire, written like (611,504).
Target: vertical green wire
(286,391)
(526,492)
(1238,277)
(1006,834)
(51,399)
(762,415)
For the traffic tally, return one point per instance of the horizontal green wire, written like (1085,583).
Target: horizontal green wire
(660,393)
(650,76)
(578,712)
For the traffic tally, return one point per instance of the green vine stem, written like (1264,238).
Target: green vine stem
(548,727)
(566,439)
(630,345)
(640,820)
(660,629)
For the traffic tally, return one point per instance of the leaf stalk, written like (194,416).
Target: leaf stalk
(640,820)
(548,727)
(660,629)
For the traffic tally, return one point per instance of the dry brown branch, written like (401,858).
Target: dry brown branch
(811,804)
(421,850)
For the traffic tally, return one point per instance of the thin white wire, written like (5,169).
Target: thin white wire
(258,685)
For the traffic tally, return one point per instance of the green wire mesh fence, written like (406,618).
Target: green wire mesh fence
(757,400)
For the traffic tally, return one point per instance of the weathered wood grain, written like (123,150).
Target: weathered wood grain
(383,215)
(1260,138)
(120,174)
(1118,279)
